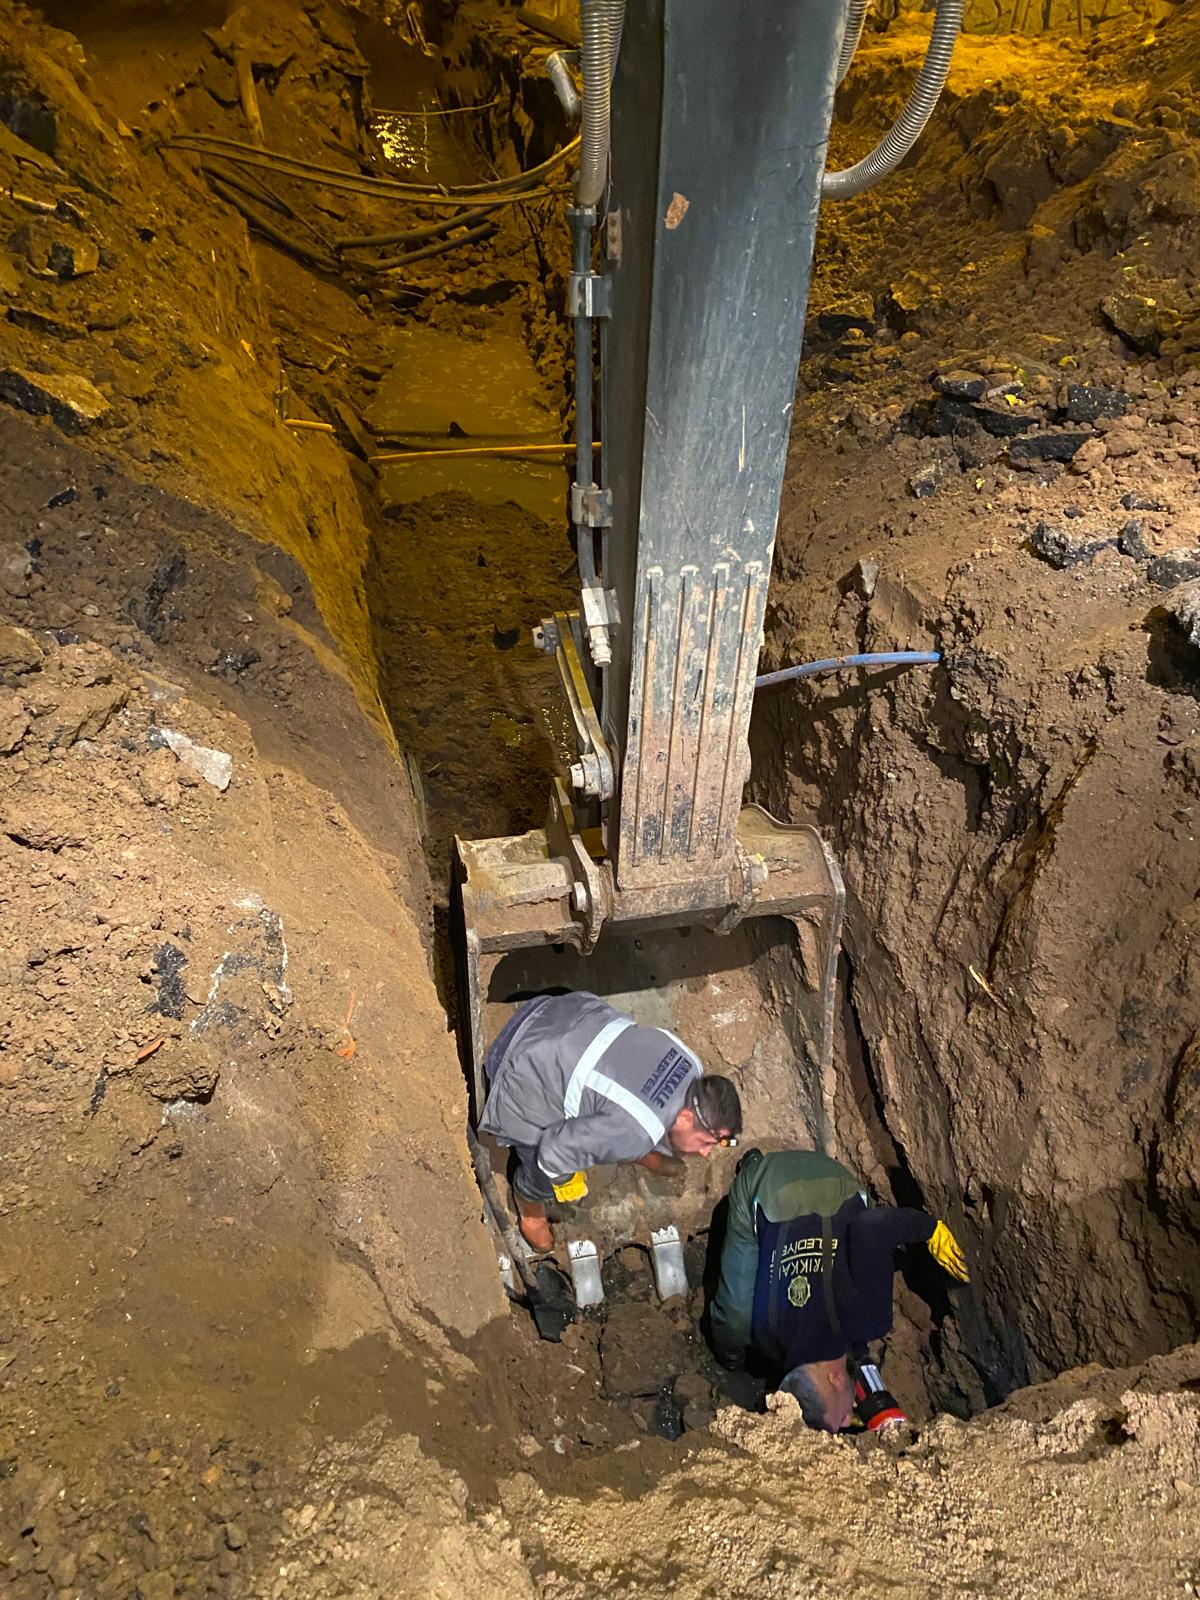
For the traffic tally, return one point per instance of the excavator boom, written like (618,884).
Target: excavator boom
(691,275)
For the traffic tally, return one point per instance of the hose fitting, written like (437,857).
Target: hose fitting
(906,130)
(558,70)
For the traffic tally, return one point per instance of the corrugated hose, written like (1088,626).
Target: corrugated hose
(600,40)
(906,130)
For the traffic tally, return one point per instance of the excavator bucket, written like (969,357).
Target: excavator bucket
(751,993)
(651,883)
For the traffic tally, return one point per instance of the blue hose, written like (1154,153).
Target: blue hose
(880,658)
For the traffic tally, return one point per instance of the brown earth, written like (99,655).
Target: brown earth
(1016,829)
(252,1340)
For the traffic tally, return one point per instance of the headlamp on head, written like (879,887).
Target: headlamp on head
(727,1141)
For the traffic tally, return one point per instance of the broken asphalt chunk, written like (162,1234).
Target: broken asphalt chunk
(1039,448)
(1131,543)
(1082,402)
(1175,567)
(960,385)
(1059,550)
(1005,422)
(72,401)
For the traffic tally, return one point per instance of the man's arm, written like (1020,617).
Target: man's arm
(731,1315)
(578,1143)
(880,1233)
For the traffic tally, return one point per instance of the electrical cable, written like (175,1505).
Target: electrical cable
(430,230)
(878,658)
(356,183)
(472,236)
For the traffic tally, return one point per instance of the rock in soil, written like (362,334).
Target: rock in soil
(70,399)
(1184,606)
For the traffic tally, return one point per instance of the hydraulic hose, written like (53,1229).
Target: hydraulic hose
(877,658)
(600,33)
(906,130)
(854,26)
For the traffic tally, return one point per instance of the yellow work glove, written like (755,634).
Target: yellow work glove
(572,1188)
(944,1248)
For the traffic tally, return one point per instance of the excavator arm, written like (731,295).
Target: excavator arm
(693,253)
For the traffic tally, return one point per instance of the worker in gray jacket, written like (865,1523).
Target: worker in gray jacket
(573,1083)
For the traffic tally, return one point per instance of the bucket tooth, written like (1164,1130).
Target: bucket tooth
(666,1257)
(585,1272)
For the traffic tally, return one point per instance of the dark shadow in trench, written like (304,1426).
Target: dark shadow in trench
(1172,660)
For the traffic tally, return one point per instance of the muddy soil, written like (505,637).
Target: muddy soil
(252,1340)
(1015,827)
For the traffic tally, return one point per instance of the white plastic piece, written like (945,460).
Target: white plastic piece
(507,1275)
(585,1272)
(666,1257)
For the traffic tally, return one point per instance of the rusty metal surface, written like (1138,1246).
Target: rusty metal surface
(692,683)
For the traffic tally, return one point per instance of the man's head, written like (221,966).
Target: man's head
(825,1391)
(711,1115)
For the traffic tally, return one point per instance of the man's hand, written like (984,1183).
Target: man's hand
(945,1250)
(572,1188)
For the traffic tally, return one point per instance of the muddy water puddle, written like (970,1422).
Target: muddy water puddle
(421,139)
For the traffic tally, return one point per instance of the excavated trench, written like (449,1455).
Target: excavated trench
(955,1355)
(995,458)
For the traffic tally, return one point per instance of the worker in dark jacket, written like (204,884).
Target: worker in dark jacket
(573,1083)
(806,1274)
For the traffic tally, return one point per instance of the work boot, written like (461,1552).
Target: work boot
(534,1228)
(660,1165)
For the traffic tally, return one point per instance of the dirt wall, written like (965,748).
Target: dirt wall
(1077,17)
(162,519)
(994,463)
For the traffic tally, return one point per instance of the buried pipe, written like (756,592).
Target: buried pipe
(440,247)
(877,658)
(518,450)
(558,70)
(357,183)
(429,230)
